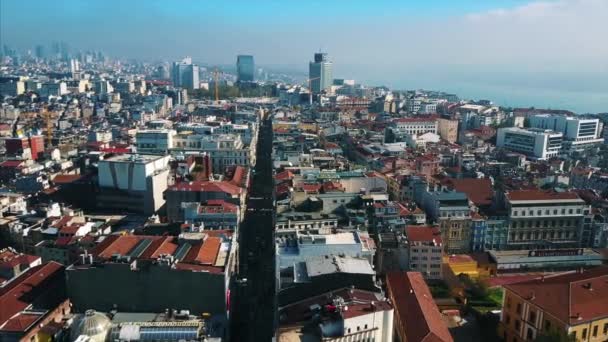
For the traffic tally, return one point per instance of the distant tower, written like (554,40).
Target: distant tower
(319,73)
(185,74)
(40,53)
(245,68)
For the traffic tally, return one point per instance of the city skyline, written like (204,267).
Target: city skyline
(520,50)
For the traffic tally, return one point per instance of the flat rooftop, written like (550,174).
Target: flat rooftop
(133,158)
(527,256)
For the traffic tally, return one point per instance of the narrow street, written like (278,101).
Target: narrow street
(253,297)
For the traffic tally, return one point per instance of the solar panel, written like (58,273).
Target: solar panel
(140,248)
(182,251)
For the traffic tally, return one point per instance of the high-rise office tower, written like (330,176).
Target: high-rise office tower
(319,73)
(40,53)
(245,68)
(185,74)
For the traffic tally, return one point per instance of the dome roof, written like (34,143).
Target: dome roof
(93,324)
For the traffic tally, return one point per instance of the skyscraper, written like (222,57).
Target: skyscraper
(40,53)
(245,68)
(185,74)
(319,73)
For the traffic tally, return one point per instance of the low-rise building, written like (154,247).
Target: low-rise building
(341,315)
(546,259)
(571,304)
(534,143)
(425,251)
(155,273)
(417,317)
(133,183)
(32,300)
(307,246)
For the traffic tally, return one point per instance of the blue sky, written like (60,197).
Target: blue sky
(525,44)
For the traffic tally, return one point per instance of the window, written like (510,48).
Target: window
(532,317)
(529,334)
(507,319)
(539,212)
(518,309)
(517,324)
(366,327)
(595,331)
(584,334)
(605,328)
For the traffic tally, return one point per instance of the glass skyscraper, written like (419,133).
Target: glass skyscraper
(319,73)
(185,74)
(245,68)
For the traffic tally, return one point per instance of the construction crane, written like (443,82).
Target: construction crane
(310,87)
(216,76)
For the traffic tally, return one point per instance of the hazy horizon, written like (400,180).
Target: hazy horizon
(516,52)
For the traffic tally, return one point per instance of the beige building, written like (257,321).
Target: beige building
(448,130)
(574,304)
(425,250)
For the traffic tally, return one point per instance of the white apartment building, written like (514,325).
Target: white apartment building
(579,133)
(543,219)
(290,223)
(427,108)
(224,149)
(534,143)
(305,247)
(417,125)
(154,140)
(133,183)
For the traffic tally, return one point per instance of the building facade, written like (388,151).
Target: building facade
(571,304)
(543,219)
(320,73)
(425,251)
(245,68)
(535,143)
(133,182)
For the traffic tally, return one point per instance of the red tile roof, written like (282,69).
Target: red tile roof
(12,163)
(539,195)
(479,190)
(21,322)
(34,285)
(204,253)
(415,308)
(573,298)
(119,245)
(65,179)
(423,234)
(284,175)
(10,259)
(218,206)
(418,119)
(314,188)
(207,186)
